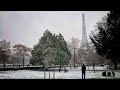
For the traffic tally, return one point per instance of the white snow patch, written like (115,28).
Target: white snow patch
(74,73)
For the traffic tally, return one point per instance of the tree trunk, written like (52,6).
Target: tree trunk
(23,61)
(4,65)
(43,67)
(60,66)
(3,61)
(115,64)
(74,57)
(94,66)
(70,66)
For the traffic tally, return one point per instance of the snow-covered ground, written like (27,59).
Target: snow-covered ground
(74,73)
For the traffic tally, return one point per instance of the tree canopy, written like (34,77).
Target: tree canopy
(20,51)
(5,51)
(51,50)
(106,38)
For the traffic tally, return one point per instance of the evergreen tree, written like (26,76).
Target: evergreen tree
(50,50)
(5,52)
(107,37)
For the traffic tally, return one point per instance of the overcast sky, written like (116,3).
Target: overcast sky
(26,27)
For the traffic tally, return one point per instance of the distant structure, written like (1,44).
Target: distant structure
(84,42)
(84,47)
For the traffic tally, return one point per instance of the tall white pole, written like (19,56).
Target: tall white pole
(44,73)
(49,74)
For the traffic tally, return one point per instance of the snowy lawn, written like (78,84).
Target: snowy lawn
(74,73)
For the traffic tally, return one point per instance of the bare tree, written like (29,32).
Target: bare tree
(74,46)
(21,51)
(93,57)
